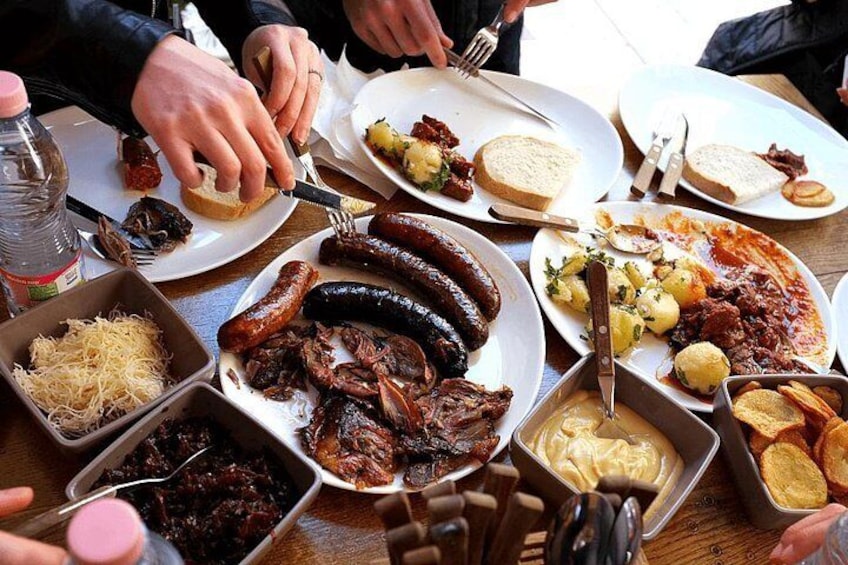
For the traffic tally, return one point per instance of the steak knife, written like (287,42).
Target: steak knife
(92,214)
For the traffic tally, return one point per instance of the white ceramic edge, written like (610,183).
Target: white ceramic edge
(329,478)
(444,204)
(554,312)
(643,144)
(840,304)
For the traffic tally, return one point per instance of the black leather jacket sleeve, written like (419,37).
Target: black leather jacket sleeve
(91,52)
(87,52)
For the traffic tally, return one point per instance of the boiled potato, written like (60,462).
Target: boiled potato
(659,309)
(575,263)
(634,273)
(423,164)
(382,137)
(685,286)
(571,291)
(621,290)
(627,328)
(701,366)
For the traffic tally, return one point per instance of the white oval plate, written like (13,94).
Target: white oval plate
(651,359)
(477,113)
(90,148)
(514,355)
(840,310)
(725,110)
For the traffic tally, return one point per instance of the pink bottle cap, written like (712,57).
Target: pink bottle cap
(13,95)
(106,532)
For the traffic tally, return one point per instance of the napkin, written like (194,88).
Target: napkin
(333,141)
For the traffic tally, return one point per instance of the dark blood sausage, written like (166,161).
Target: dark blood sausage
(273,311)
(369,253)
(444,252)
(141,170)
(354,301)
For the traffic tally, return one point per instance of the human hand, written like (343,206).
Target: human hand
(805,536)
(295,80)
(843,95)
(399,27)
(188,100)
(513,9)
(21,551)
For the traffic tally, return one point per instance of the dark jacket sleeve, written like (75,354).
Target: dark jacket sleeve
(233,20)
(87,52)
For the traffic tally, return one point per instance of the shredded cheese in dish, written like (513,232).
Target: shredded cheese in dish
(98,371)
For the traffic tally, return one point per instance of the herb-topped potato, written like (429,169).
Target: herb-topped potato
(701,366)
(424,165)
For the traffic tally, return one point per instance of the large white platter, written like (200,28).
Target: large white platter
(477,113)
(90,148)
(651,359)
(840,310)
(514,355)
(725,110)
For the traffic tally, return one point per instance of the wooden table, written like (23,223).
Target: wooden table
(341,527)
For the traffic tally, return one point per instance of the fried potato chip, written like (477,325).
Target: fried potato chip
(758,443)
(796,438)
(831,396)
(792,478)
(747,387)
(813,407)
(834,457)
(768,412)
(817,447)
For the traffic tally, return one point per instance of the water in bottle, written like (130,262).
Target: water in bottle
(110,531)
(40,251)
(834,550)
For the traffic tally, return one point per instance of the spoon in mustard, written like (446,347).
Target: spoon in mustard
(627,238)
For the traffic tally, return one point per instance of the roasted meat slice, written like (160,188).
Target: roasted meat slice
(364,346)
(398,407)
(162,222)
(458,189)
(406,360)
(275,366)
(459,425)
(446,136)
(347,437)
(116,247)
(785,161)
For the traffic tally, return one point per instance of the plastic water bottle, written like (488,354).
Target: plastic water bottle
(110,532)
(834,550)
(40,251)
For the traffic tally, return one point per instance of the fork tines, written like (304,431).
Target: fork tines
(342,222)
(481,47)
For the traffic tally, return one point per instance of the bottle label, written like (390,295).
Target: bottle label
(27,291)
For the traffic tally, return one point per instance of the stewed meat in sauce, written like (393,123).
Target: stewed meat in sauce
(749,317)
(220,506)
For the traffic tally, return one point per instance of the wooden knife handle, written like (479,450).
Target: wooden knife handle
(673,172)
(601,331)
(642,180)
(527,217)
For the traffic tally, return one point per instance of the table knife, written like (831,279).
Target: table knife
(674,169)
(311,194)
(94,215)
(662,135)
(453,58)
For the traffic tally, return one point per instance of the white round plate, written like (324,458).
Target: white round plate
(514,355)
(725,110)
(840,310)
(90,148)
(651,359)
(477,113)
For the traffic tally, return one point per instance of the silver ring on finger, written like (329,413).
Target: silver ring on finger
(316,73)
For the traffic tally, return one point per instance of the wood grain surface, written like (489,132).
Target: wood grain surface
(342,527)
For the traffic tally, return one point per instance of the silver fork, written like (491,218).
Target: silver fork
(57,515)
(341,220)
(142,257)
(482,45)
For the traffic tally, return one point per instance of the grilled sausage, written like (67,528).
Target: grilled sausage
(273,311)
(339,301)
(141,169)
(369,253)
(444,252)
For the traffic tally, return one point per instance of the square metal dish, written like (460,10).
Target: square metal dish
(694,441)
(201,400)
(761,508)
(127,290)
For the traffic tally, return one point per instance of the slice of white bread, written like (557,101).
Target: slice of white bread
(731,174)
(524,170)
(207,201)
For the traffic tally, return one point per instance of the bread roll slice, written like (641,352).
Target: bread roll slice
(731,174)
(524,170)
(207,201)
